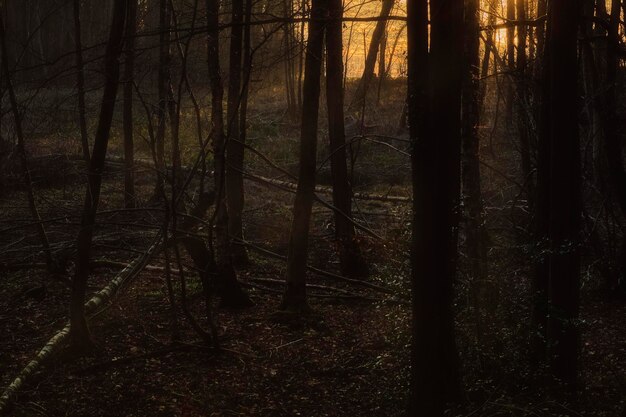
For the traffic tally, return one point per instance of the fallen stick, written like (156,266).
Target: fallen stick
(285,185)
(319,271)
(99,299)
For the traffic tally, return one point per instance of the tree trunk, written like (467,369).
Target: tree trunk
(370,60)
(434,114)
(350,257)
(563,189)
(21,150)
(80,82)
(234,146)
(475,243)
(163,84)
(231,293)
(129,151)
(80,337)
(510,55)
(294,298)
(522,91)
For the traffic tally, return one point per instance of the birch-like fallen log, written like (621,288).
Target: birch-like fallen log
(92,306)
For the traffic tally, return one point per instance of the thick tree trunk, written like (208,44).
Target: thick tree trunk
(294,298)
(232,295)
(372,53)
(21,150)
(80,337)
(234,146)
(434,114)
(561,183)
(350,257)
(129,151)
(541,273)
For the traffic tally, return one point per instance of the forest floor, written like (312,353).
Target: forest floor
(350,358)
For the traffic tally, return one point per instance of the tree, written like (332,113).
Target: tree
(350,257)
(21,150)
(475,234)
(232,295)
(434,96)
(129,151)
(80,337)
(294,298)
(370,60)
(234,145)
(560,194)
(510,55)
(80,81)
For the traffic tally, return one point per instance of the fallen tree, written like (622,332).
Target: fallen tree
(93,306)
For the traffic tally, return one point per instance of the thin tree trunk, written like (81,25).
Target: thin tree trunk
(294,298)
(434,114)
(129,69)
(234,146)
(372,53)
(350,256)
(475,242)
(231,293)
(80,82)
(80,336)
(541,276)
(510,55)
(21,150)
(522,91)
(163,83)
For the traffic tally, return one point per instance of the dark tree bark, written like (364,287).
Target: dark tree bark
(294,298)
(613,143)
(510,56)
(234,146)
(434,119)
(231,293)
(560,179)
(129,69)
(475,239)
(163,83)
(522,93)
(80,81)
(372,53)
(80,337)
(350,257)
(541,273)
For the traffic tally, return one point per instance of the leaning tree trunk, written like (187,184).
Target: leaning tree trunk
(234,146)
(80,337)
(129,151)
(370,60)
(294,298)
(21,150)
(434,114)
(350,256)
(231,293)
